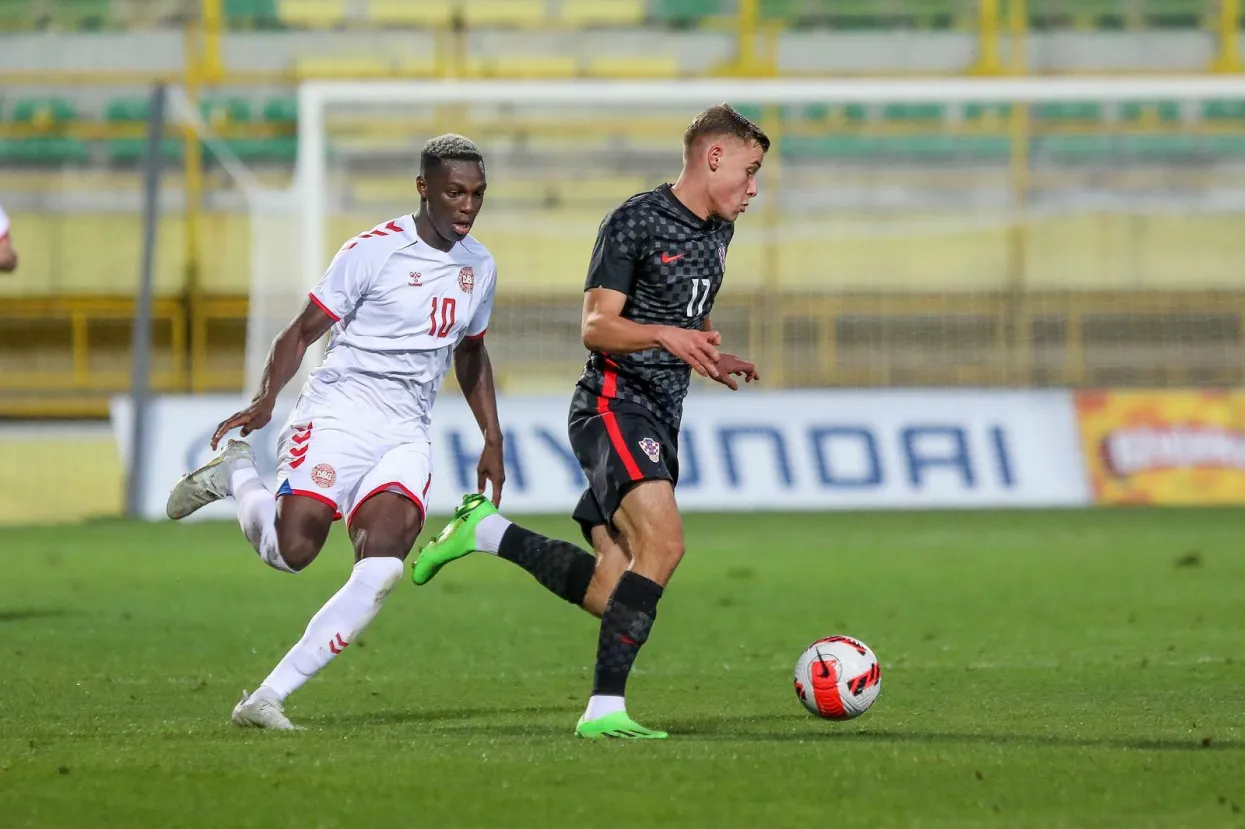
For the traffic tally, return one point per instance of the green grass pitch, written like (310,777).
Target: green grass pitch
(1040,669)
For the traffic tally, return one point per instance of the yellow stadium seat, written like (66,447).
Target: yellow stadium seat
(422,13)
(312,14)
(505,13)
(345,67)
(646,66)
(583,14)
(553,66)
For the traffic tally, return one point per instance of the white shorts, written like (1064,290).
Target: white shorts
(342,465)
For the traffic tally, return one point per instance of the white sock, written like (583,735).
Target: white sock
(600,705)
(489,532)
(335,626)
(257,513)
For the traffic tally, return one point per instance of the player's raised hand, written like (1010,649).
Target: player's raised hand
(492,467)
(251,419)
(699,349)
(729,364)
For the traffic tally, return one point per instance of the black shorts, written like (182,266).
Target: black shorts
(618,444)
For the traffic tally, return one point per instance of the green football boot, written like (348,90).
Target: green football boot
(455,541)
(616,725)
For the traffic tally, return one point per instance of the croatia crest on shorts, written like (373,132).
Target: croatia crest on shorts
(467,279)
(722,256)
(651,448)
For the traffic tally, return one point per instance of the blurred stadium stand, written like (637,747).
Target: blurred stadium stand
(73,105)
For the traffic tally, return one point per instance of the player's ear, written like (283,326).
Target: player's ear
(421,187)
(714,156)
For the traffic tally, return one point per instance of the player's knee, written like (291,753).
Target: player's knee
(298,550)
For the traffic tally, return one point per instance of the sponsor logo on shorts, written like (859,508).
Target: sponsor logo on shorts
(323,475)
(467,279)
(651,448)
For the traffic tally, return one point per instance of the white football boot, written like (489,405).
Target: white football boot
(209,482)
(259,710)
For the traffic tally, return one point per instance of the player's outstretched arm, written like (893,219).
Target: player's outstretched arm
(474,371)
(605,331)
(284,358)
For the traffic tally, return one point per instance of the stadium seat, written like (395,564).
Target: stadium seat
(1150,111)
(47,150)
(222,113)
(44,113)
(989,113)
(420,13)
(638,66)
(1224,110)
(509,14)
(281,110)
(282,149)
(685,12)
(134,111)
(914,112)
(1068,111)
(586,14)
(250,14)
(1073,147)
(552,66)
(312,14)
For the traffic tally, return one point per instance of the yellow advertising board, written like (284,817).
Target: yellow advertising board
(1166,447)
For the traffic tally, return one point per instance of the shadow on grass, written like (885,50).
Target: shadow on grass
(747,731)
(472,719)
(32,613)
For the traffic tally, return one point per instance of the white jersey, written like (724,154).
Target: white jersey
(400,307)
(4,223)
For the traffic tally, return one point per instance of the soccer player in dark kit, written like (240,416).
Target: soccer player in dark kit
(657,265)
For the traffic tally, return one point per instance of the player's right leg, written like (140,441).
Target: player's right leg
(287,535)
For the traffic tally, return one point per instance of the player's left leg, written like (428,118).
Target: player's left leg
(384,518)
(563,568)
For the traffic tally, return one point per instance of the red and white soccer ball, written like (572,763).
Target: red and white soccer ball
(838,678)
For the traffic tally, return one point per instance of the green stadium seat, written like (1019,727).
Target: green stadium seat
(1068,111)
(44,151)
(1072,147)
(250,14)
(134,110)
(123,110)
(1224,110)
(1156,146)
(280,110)
(282,149)
(43,112)
(914,112)
(685,12)
(1162,111)
(988,112)
(1222,146)
(220,113)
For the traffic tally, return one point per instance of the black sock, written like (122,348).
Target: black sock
(625,626)
(560,566)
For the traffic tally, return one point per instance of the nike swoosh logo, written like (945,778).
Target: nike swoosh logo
(666,258)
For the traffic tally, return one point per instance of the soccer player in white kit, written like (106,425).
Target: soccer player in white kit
(401,300)
(8,255)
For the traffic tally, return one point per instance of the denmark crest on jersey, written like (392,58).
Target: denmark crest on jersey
(651,448)
(467,279)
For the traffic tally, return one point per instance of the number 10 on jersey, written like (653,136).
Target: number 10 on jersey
(448,313)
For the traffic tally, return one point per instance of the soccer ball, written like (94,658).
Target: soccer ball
(838,678)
